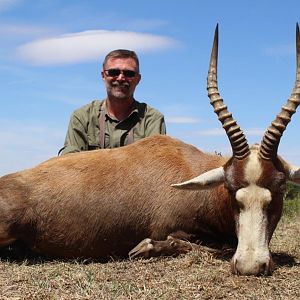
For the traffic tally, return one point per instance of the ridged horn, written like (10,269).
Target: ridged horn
(235,135)
(272,136)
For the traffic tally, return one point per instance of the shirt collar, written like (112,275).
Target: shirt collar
(135,110)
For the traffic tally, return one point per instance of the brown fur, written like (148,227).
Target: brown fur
(101,203)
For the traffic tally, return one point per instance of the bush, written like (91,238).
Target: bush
(291,204)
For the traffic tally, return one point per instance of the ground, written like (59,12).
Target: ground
(197,275)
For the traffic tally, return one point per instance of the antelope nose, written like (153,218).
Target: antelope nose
(263,269)
(257,269)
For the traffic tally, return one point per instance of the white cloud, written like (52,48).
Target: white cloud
(7,4)
(182,120)
(88,45)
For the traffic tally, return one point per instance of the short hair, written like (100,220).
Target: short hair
(122,53)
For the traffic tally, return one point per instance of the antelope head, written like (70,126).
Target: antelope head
(255,177)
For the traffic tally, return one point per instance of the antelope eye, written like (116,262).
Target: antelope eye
(278,184)
(282,188)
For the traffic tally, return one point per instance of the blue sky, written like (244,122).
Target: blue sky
(51,53)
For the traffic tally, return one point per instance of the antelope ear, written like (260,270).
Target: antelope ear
(206,180)
(294,174)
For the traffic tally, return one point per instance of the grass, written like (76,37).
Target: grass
(291,207)
(197,275)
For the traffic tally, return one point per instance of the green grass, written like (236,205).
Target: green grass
(291,204)
(291,208)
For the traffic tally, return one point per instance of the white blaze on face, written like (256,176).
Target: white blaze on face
(252,255)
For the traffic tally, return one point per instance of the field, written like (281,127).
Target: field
(197,275)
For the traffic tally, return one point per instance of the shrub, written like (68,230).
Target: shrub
(291,204)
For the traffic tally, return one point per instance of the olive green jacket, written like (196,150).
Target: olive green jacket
(84,129)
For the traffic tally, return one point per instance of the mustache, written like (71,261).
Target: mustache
(120,84)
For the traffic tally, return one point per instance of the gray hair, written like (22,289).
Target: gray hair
(122,53)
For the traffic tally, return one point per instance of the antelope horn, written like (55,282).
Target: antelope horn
(235,135)
(272,136)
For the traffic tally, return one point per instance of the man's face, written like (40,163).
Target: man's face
(120,85)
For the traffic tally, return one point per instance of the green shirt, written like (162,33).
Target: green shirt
(84,129)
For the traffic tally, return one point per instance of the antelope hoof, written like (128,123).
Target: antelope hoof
(144,247)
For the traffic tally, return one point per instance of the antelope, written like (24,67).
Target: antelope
(157,196)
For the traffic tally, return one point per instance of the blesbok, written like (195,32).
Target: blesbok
(104,202)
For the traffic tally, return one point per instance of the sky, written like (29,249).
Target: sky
(51,54)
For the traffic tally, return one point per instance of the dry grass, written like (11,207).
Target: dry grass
(194,276)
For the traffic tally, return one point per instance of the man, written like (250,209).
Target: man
(119,119)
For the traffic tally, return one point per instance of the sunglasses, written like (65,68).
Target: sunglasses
(117,72)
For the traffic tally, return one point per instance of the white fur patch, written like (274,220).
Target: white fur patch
(253,169)
(252,250)
(253,197)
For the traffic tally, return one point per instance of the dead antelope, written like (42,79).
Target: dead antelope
(104,202)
